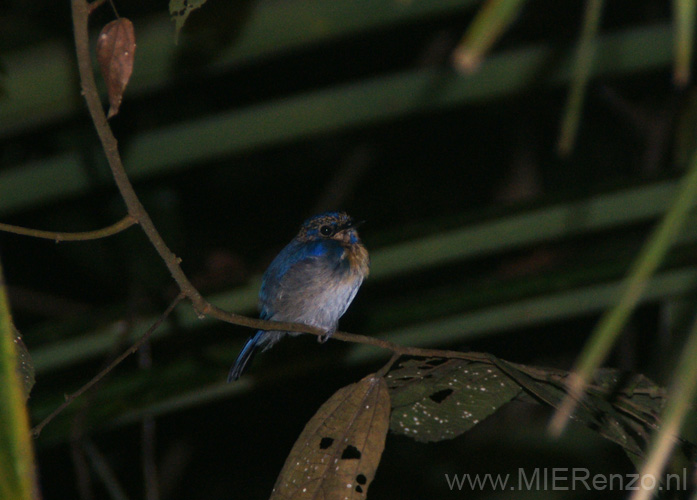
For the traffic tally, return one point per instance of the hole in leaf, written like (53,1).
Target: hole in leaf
(350,453)
(425,367)
(405,378)
(325,443)
(361,479)
(439,397)
(359,489)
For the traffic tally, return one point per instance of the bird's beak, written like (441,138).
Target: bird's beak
(354,225)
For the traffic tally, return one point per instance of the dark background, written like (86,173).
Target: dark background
(414,174)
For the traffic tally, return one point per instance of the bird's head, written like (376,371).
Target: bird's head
(338,226)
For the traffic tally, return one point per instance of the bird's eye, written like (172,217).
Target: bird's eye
(326,230)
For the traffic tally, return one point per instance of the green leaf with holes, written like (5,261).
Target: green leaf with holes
(436,399)
(339,450)
(623,408)
(180,10)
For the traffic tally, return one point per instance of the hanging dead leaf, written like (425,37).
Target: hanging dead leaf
(116,47)
(339,450)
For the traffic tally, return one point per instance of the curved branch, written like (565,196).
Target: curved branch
(81,10)
(115,228)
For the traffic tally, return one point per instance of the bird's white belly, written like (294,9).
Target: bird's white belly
(323,305)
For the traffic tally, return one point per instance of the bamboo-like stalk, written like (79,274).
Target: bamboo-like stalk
(583,65)
(680,399)
(685,12)
(17,470)
(636,283)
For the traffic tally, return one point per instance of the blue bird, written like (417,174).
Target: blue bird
(312,281)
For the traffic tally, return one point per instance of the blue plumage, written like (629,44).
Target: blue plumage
(312,281)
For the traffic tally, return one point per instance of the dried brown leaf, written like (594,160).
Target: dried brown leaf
(116,47)
(339,450)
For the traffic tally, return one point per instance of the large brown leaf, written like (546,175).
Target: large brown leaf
(339,450)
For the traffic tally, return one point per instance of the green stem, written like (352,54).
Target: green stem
(17,472)
(612,322)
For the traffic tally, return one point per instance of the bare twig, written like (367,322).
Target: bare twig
(69,399)
(407,350)
(95,5)
(119,226)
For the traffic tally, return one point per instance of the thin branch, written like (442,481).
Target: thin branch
(119,226)
(69,399)
(95,5)
(406,350)
(81,11)
(113,7)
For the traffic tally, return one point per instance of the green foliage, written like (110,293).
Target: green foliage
(17,476)
(582,71)
(685,15)
(25,365)
(180,10)
(431,399)
(437,399)
(612,323)
(492,20)
(621,409)
(673,417)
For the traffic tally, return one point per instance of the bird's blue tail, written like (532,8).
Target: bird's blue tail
(245,356)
